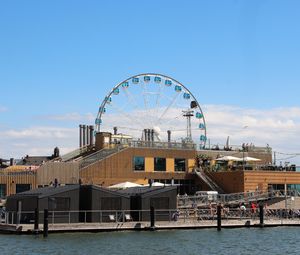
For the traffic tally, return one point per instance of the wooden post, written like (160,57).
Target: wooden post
(219,217)
(45,232)
(152,218)
(36,220)
(261,215)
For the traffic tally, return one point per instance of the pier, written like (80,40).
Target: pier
(185,219)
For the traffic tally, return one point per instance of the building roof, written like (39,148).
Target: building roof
(47,191)
(145,191)
(106,190)
(34,160)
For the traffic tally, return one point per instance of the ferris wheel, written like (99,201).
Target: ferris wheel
(153,102)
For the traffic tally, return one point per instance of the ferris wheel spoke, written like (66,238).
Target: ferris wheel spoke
(158,98)
(168,107)
(171,104)
(132,119)
(132,100)
(146,105)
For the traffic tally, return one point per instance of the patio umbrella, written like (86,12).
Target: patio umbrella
(124,185)
(249,159)
(229,158)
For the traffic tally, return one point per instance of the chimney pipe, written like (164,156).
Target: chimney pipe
(80,136)
(83,135)
(152,135)
(149,135)
(87,135)
(169,136)
(11,161)
(115,130)
(91,136)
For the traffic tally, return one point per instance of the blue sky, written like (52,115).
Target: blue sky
(60,58)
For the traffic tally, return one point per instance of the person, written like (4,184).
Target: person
(253,208)
(175,216)
(243,209)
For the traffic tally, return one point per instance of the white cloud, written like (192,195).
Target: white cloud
(37,141)
(278,127)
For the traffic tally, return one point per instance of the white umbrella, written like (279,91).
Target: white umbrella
(248,159)
(158,184)
(124,185)
(229,158)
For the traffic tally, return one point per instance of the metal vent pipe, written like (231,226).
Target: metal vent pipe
(83,135)
(91,135)
(87,135)
(169,136)
(80,136)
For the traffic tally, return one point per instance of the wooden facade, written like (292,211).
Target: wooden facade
(64,172)
(119,167)
(10,180)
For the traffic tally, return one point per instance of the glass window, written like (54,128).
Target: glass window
(2,190)
(139,163)
(179,165)
(160,164)
(22,187)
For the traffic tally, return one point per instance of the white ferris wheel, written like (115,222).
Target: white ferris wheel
(153,104)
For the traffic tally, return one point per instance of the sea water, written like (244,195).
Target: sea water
(280,240)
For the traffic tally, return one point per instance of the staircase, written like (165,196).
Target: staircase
(208,181)
(99,155)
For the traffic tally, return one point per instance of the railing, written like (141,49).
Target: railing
(204,177)
(90,216)
(102,154)
(74,154)
(162,145)
(239,148)
(235,198)
(116,219)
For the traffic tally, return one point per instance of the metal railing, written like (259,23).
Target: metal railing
(99,155)
(118,218)
(74,154)
(234,198)
(162,145)
(90,216)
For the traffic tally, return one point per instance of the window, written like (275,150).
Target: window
(179,165)
(160,164)
(2,190)
(139,163)
(22,187)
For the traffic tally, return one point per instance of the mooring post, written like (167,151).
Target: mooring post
(36,220)
(152,218)
(219,217)
(45,232)
(261,215)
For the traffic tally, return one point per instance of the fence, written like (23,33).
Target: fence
(235,198)
(207,215)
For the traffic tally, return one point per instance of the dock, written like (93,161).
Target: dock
(143,226)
